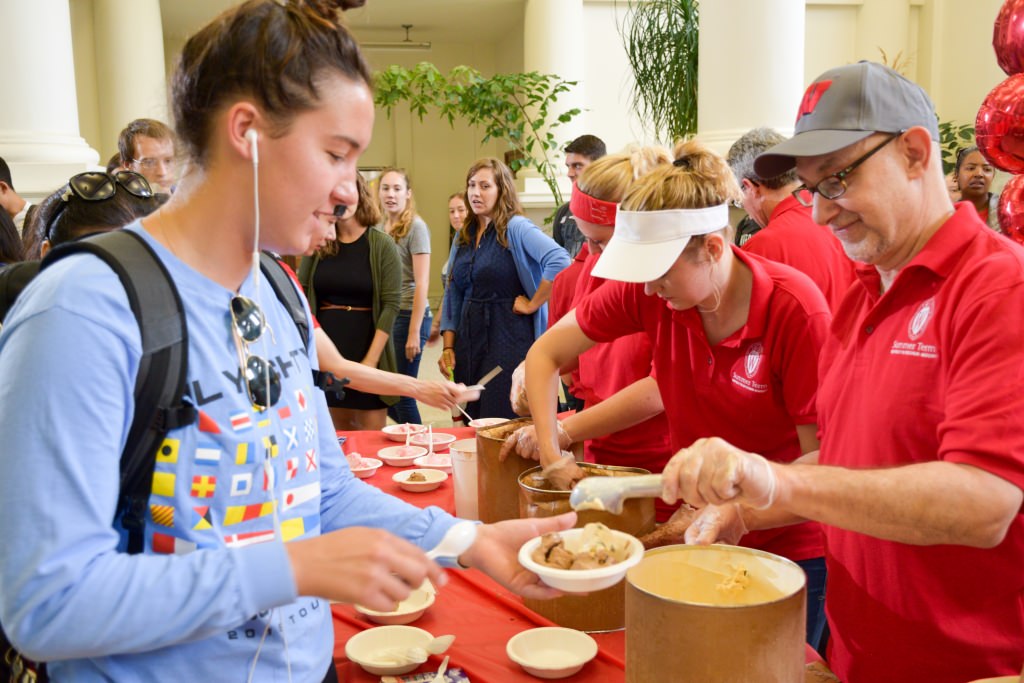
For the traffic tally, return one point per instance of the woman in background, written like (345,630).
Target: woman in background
(974,175)
(412,238)
(501,269)
(353,288)
(457,212)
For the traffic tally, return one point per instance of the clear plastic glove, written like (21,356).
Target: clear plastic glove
(714,472)
(523,442)
(517,395)
(717,524)
(564,472)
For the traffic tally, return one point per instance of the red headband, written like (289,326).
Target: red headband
(591,209)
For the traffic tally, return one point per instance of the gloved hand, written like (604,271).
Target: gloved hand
(517,395)
(714,472)
(524,442)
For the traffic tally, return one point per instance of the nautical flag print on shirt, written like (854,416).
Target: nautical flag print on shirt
(284,413)
(291,468)
(293,528)
(171,545)
(311,460)
(300,399)
(168,451)
(310,427)
(299,495)
(163,484)
(250,538)
(241,422)
(207,424)
(292,434)
(208,456)
(203,486)
(162,514)
(241,484)
(201,518)
(270,444)
(242,454)
(236,514)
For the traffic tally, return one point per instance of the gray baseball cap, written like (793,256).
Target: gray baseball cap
(845,105)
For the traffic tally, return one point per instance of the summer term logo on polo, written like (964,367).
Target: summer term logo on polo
(916,328)
(750,364)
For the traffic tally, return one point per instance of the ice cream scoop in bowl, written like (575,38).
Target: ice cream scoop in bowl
(625,551)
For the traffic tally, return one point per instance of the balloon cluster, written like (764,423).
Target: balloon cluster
(999,128)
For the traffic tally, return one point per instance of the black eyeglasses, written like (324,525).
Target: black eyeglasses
(98,186)
(262,381)
(834,186)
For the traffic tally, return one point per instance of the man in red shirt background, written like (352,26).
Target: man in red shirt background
(789,234)
(918,481)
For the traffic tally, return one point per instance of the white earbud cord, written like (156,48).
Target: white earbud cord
(267,466)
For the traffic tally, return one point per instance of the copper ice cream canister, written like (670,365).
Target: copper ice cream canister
(603,610)
(497,490)
(715,614)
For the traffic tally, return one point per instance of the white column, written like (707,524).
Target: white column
(751,68)
(39,135)
(130,72)
(552,33)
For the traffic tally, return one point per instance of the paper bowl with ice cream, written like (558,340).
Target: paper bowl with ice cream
(419,480)
(400,432)
(401,456)
(362,467)
(435,461)
(581,560)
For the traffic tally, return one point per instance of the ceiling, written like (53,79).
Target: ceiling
(455,21)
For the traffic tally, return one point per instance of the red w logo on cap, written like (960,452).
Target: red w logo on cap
(811,97)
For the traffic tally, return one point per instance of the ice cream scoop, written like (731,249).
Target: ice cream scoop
(608,493)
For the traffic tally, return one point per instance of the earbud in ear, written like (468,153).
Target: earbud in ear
(339,210)
(252,136)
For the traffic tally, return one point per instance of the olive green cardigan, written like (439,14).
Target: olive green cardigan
(386,270)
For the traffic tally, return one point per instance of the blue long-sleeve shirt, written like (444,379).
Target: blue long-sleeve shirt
(215,571)
(537,257)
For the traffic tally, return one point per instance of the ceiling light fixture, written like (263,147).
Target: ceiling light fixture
(407,44)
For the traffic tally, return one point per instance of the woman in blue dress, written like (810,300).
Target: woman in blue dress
(501,271)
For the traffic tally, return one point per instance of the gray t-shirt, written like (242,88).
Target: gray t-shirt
(416,241)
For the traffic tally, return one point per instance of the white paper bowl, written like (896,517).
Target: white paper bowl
(551,651)
(441,440)
(482,422)
(434,479)
(361,647)
(395,455)
(442,463)
(371,465)
(398,432)
(408,611)
(581,580)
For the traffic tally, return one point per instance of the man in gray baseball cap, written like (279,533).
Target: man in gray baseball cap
(918,481)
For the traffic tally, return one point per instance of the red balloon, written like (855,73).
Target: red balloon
(1008,37)
(999,128)
(1011,208)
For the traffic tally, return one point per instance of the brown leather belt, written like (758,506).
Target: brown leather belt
(336,307)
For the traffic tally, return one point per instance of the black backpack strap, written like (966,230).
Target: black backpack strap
(161,384)
(13,279)
(284,288)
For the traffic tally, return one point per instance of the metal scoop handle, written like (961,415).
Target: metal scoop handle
(609,493)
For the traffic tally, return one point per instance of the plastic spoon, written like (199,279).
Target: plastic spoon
(439,678)
(456,541)
(416,653)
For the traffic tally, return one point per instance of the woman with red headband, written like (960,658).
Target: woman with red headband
(609,367)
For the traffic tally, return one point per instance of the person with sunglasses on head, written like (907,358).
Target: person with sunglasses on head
(92,202)
(352,283)
(919,480)
(734,341)
(255,521)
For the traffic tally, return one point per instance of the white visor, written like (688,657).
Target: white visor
(646,243)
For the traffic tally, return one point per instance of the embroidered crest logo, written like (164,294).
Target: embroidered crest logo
(812,97)
(920,320)
(753,360)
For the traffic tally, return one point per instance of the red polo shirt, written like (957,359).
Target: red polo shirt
(792,237)
(603,371)
(563,289)
(751,389)
(931,370)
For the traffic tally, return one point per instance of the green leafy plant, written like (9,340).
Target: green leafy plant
(516,108)
(952,137)
(661,38)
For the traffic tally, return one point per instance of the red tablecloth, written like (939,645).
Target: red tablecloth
(477,611)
